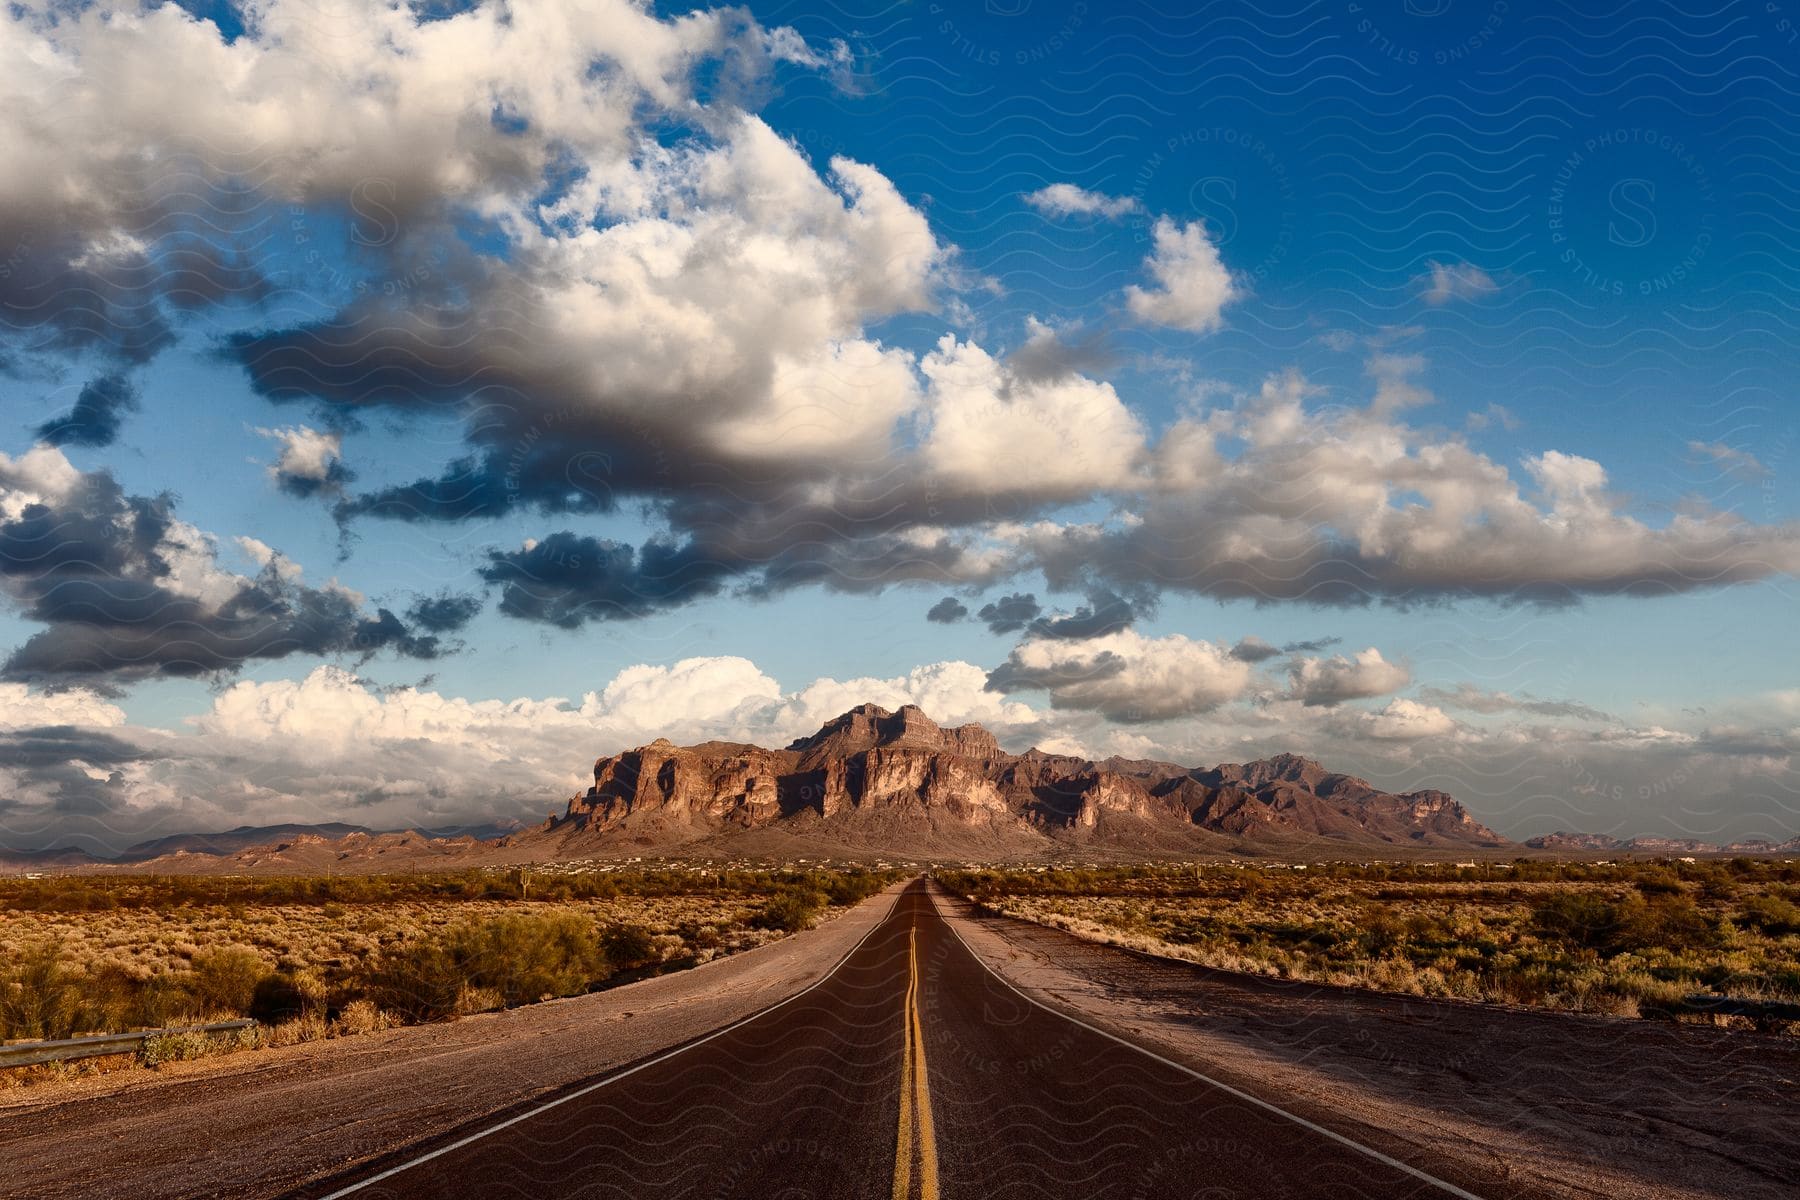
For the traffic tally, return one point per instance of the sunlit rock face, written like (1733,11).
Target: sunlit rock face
(881,779)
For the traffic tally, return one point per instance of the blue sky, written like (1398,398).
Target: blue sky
(1516,258)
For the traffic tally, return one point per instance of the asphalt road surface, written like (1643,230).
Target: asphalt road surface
(909,1071)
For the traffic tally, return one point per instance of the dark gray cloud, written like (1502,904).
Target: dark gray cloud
(375,354)
(568,579)
(115,289)
(1470,698)
(1052,355)
(1011,613)
(55,761)
(1314,646)
(305,487)
(947,611)
(59,303)
(125,592)
(1105,612)
(1055,676)
(550,478)
(446,612)
(1254,650)
(50,745)
(96,416)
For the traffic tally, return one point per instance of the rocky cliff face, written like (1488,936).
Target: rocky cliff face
(893,782)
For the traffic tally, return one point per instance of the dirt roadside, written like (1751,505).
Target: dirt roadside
(262,1122)
(1572,1105)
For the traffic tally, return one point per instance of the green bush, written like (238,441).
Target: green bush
(1583,920)
(225,980)
(629,947)
(1772,915)
(520,957)
(790,911)
(187,1045)
(40,995)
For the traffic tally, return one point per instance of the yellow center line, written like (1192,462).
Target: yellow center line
(915,1093)
(903,1144)
(928,1164)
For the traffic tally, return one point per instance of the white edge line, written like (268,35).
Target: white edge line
(545,1107)
(1370,1151)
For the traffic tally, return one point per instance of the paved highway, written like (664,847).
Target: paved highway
(909,1071)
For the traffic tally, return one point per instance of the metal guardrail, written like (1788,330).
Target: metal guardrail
(26,1054)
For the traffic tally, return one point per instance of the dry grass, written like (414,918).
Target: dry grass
(1619,939)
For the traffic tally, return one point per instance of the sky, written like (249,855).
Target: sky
(402,405)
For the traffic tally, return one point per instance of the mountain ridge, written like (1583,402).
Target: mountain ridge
(893,781)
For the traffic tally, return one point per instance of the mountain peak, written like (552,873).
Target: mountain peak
(870,726)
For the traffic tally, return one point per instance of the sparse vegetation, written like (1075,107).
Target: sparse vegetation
(1627,939)
(320,957)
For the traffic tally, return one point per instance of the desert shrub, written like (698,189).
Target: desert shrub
(852,887)
(529,957)
(361,1016)
(164,999)
(226,980)
(1584,920)
(40,995)
(309,1026)
(1670,922)
(186,1045)
(1379,931)
(789,911)
(287,995)
(629,946)
(1659,881)
(517,958)
(1771,915)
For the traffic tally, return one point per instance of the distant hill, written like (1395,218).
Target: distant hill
(292,847)
(56,858)
(233,840)
(1600,843)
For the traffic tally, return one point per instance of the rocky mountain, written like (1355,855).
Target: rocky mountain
(897,783)
(1600,843)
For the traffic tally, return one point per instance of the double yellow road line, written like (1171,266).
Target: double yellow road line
(916,1132)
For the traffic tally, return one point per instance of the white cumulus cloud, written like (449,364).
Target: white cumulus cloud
(1127,676)
(1191,283)
(1323,682)
(1068,200)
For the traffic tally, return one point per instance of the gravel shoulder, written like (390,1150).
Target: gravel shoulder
(1561,1104)
(260,1123)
